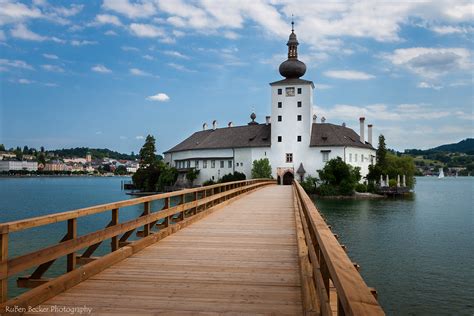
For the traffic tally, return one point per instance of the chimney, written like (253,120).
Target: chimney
(314,118)
(204,126)
(267,120)
(362,127)
(323,119)
(230,124)
(343,124)
(214,124)
(369,132)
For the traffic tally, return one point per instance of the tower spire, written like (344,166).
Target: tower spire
(292,67)
(292,24)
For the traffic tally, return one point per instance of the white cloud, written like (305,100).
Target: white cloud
(15,64)
(22,32)
(50,56)
(82,42)
(348,75)
(175,54)
(51,84)
(449,29)
(321,86)
(101,69)
(180,67)
(111,33)
(426,85)
(25,81)
(130,10)
(430,62)
(148,57)
(160,97)
(138,72)
(129,49)
(146,30)
(14,12)
(139,137)
(107,19)
(52,68)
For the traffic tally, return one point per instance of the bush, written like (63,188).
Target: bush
(309,184)
(392,183)
(261,169)
(327,190)
(237,176)
(208,182)
(361,188)
(340,176)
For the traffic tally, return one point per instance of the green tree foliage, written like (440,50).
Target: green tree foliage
(310,184)
(381,152)
(121,170)
(237,176)
(168,177)
(192,175)
(338,177)
(261,169)
(147,176)
(2,147)
(147,152)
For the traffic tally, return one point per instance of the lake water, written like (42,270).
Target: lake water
(418,253)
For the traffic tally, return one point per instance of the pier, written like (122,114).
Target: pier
(245,247)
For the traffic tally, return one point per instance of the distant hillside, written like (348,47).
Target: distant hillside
(465,146)
(97,153)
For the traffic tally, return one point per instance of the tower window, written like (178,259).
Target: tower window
(299,117)
(299,90)
(299,138)
(299,104)
(229,164)
(213,163)
(204,164)
(280,91)
(222,163)
(279,105)
(279,118)
(290,91)
(289,157)
(196,164)
(279,139)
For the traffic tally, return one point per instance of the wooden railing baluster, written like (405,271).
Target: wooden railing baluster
(71,234)
(3,267)
(114,243)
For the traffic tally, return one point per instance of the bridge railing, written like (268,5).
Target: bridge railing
(331,282)
(180,208)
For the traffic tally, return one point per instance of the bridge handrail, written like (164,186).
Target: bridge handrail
(329,261)
(192,204)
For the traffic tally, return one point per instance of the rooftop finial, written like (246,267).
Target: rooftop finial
(292,24)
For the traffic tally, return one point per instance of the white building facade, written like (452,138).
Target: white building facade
(13,165)
(295,144)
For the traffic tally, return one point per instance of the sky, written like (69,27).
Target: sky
(107,73)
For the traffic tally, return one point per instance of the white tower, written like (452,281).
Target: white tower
(292,113)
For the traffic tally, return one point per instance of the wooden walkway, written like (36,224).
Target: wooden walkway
(241,259)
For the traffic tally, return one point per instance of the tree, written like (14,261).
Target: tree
(338,177)
(261,169)
(237,176)
(168,177)
(147,152)
(42,149)
(2,147)
(121,170)
(381,152)
(25,150)
(192,175)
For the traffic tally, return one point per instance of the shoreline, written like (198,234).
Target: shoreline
(356,196)
(63,176)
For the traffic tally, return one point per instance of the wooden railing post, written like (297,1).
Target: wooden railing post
(4,267)
(115,219)
(71,234)
(146,211)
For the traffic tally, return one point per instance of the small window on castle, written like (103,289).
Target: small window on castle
(299,90)
(279,105)
(280,91)
(290,91)
(289,157)
(196,164)
(188,164)
(279,139)
(355,157)
(299,117)
(325,156)
(279,118)
(222,163)
(299,138)
(229,164)
(204,164)
(350,157)
(213,163)
(299,104)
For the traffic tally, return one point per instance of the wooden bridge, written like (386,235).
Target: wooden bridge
(248,247)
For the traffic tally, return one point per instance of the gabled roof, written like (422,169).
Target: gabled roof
(259,135)
(326,134)
(294,81)
(255,135)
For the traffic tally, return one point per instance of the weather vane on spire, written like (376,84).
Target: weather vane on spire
(292,24)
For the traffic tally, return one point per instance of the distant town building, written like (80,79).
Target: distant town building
(293,141)
(12,165)
(56,166)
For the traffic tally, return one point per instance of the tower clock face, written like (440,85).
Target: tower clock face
(290,92)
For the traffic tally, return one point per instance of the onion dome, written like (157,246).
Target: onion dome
(292,67)
(253,116)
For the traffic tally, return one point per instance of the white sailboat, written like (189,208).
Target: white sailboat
(441,173)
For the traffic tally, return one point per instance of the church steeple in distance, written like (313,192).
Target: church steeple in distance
(292,68)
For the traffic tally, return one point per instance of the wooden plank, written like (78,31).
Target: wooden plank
(3,267)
